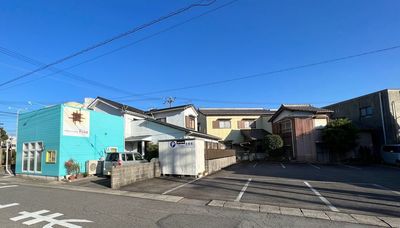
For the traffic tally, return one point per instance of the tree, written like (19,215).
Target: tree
(3,135)
(340,136)
(151,151)
(273,144)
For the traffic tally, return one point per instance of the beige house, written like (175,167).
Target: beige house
(240,128)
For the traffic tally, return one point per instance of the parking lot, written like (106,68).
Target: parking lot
(373,190)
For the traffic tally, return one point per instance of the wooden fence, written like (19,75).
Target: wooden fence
(218,153)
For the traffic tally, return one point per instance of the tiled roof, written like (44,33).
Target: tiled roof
(121,106)
(300,108)
(235,111)
(305,108)
(170,109)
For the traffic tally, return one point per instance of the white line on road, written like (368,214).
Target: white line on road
(352,167)
(255,165)
(239,197)
(283,166)
(314,166)
(180,186)
(323,199)
(386,188)
(8,205)
(8,186)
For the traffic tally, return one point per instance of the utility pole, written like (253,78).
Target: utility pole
(169,101)
(1,145)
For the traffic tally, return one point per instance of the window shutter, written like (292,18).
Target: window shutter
(187,122)
(215,124)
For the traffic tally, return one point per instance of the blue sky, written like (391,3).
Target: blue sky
(246,37)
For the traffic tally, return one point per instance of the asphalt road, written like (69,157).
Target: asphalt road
(22,205)
(371,190)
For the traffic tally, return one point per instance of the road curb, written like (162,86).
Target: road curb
(316,214)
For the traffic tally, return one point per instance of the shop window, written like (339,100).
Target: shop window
(32,157)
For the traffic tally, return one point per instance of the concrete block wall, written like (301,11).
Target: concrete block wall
(128,174)
(215,165)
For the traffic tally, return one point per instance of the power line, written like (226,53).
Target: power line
(124,46)
(102,43)
(10,113)
(19,56)
(273,72)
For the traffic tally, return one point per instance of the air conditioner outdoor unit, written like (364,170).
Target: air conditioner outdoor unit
(93,167)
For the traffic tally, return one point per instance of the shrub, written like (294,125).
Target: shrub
(273,145)
(151,151)
(340,136)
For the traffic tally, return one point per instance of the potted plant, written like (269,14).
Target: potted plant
(72,169)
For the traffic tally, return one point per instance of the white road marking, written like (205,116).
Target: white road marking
(180,186)
(8,205)
(386,188)
(314,166)
(255,165)
(239,197)
(323,199)
(38,217)
(283,166)
(8,186)
(352,167)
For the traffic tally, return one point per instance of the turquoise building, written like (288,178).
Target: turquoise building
(49,137)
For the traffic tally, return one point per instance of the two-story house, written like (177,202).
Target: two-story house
(182,116)
(377,113)
(142,128)
(240,128)
(300,128)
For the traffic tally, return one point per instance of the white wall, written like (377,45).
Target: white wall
(173,117)
(320,123)
(183,159)
(154,130)
(177,117)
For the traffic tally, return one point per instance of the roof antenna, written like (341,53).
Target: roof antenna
(169,101)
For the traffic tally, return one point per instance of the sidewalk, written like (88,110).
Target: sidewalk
(260,208)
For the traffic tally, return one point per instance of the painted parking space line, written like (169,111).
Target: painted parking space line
(323,199)
(239,197)
(314,166)
(180,186)
(386,188)
(352,167)
(8,186)
(255,165)
(283,166)
(8,205)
